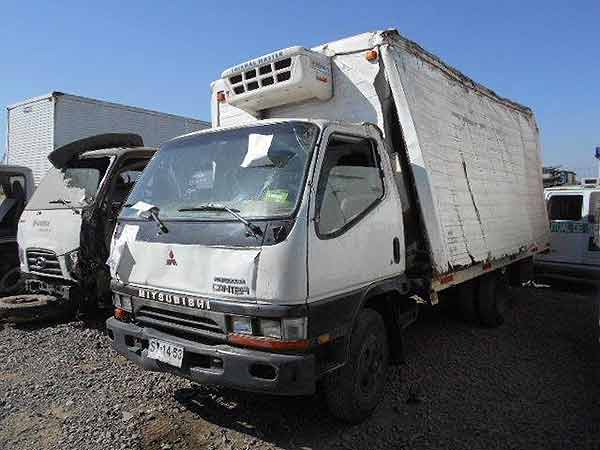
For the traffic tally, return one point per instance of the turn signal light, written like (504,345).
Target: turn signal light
(220,96)
(372,55)
(121,314)
(266,343)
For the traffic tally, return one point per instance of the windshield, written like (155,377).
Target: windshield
(255,171)
(69,187)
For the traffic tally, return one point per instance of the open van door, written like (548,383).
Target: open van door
(62,155)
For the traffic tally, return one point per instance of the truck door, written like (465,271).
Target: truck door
(591,252)
(355,232)
(567,227)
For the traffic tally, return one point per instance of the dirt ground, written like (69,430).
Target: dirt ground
(532,383)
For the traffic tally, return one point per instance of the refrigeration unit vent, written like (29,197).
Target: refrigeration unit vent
(287,76)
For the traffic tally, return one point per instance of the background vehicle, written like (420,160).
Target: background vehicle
(283,252)
(64,232)
(574,253)
(16,186)
(39,125)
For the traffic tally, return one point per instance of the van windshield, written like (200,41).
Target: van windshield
(255,171)
(70,187)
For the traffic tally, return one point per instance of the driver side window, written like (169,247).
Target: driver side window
(350,184)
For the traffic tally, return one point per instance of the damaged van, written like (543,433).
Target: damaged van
(65,230)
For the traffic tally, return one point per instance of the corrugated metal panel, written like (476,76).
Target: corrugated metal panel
(78,117)
(30,135)
(482,161)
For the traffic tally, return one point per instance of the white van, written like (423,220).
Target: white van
(574,252)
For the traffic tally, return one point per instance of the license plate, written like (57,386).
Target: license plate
(165,352)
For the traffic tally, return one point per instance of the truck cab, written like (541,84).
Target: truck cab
(64,232)
(16,187)
(252,222)
(574,251)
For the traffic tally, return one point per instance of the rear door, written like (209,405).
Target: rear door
(355,232)
(568,227)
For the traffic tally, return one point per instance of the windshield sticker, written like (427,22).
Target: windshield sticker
(276,196)
(570,227)
(203,178)
(258,149)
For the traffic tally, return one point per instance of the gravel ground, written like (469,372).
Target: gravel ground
(532,383)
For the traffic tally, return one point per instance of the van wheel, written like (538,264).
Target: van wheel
(491,303)
(467,301)
(29,308)
(11,282)
(353,392)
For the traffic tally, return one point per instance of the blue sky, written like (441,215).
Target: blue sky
(163,55)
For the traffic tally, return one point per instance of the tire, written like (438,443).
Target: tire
(11,282)
(467,301)
(353,392)
(29,308)
(491,303)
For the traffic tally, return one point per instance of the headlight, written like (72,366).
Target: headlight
(285,329)
(294,329)
(22,257)
(241,325)
(71,260)
(270,328)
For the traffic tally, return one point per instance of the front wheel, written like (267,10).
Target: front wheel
(353,392)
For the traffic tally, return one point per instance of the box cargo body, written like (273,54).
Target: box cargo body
(474,157)
(39,125)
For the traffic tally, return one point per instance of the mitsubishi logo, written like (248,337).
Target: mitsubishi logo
(40,262)
(171,259)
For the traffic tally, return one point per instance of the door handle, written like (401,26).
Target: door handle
(396,248)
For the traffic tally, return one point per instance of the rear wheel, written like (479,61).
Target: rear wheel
(467,301)
(353,392)
(492,301)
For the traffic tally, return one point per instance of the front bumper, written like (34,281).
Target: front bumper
(220,364)
(56,287)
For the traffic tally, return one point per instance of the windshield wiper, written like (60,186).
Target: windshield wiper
(254,229)
(153,214)
(67,203)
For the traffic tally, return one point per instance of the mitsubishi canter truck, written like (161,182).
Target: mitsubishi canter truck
(65,230)
(287,247)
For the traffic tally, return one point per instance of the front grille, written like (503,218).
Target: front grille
(43,261)
(262,76)
(180,323)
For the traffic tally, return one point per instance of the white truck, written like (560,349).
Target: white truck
(574,252)
(39,125)
(288,246)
